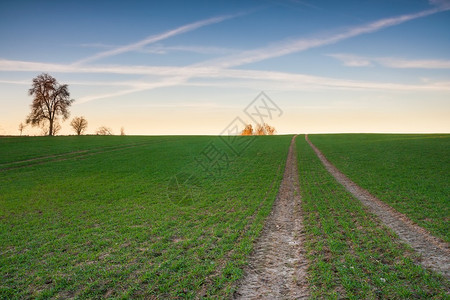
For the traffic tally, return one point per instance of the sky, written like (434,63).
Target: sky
(199,67)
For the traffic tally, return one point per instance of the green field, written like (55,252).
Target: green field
(352,255)
(15,150)
(99,222)
(141,217)
(409,172)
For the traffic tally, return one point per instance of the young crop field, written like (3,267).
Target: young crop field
(23,150)
(352,255)
(178,217)
(409,172)
(93,217)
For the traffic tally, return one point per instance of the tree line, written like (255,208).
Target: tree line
(260,129)
(51,103)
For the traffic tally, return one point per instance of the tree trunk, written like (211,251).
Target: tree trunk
(50,127)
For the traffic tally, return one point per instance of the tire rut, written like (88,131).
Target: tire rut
(278,267)
(435,253)
(66,156)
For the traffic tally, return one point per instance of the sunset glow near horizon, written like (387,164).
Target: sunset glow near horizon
(192,67)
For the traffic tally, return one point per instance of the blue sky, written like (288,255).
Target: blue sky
(191,67)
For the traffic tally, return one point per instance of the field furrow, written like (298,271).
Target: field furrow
(351,253)
(435,254)
(28,149)
(64,156)
(409,172)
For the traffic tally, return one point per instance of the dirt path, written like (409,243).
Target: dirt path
(277,268)
(435,254)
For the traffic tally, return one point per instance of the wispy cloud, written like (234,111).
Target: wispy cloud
(440,3)
(168,71)
(272,80)
(352,60)
(220,68)
(414,64)
(292,3)
(97,45)
(178,105)
(27,66)
(156,38)
(219,77)
(294,81)
(162,49)
(159,49)
(21,82)
(172,81)
(293,46)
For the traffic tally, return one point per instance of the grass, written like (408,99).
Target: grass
(352,255)
(409,172)
(99,223)
(105,217)
(14,150)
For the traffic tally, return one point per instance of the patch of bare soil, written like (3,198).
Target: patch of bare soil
(435,253)
(277,267)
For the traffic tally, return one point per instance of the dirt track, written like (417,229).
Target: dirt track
(435,254)
(277,268)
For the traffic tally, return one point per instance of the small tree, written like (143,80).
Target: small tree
(56,127)
(45,128)
(264,129)
(259,130)
(21,127)
(50,101)
(79,125)
(103,130)
(269,129)
(122,131)
(248,130)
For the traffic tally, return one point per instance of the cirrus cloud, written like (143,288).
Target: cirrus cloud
(352,60)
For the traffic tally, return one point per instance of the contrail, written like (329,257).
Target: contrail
(155,38)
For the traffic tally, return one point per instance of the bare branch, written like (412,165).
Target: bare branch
(79,124)
(50,101)
(103,130)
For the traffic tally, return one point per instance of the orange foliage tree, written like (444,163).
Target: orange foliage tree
(248,130)
(264,129)
(259,130)
(269,129)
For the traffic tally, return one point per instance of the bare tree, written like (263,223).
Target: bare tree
(122,131)
(103,130)
(79,124)
(45,128)
(21,127)
(51,100)
(56,127)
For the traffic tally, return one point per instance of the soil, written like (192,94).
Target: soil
(435,253)
(278,267)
